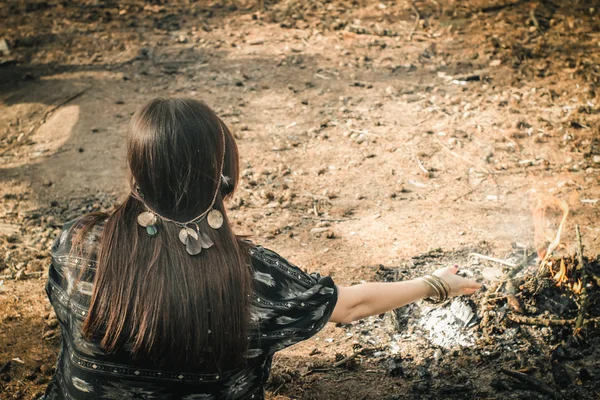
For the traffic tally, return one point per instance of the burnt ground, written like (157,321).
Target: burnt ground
(370,133)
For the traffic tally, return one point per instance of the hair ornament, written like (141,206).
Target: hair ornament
(194,240)
(190,234)
(148,220)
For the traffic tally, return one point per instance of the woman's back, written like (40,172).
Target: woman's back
(287,306)
(161,300)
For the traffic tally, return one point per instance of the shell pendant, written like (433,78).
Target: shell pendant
(148,220)
(194,240)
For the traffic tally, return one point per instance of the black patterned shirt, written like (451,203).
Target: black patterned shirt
(288,306)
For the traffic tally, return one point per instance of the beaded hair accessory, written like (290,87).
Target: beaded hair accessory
(190,234)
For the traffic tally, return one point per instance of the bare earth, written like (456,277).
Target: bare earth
(366,138)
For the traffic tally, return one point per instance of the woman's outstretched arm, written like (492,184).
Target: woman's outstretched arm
(364,300)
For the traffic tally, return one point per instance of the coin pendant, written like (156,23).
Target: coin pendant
(186,233)
(215,219)
(146,219)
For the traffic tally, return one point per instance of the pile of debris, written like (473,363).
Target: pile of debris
(533,330)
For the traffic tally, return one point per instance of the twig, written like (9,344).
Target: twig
(279,387)
(534,19)
(417,18)
(539,320)
(463,195)
(328,219)
(352,356)
(496,296)
(548,321)
(584,295)
(519,267)
(495,288)
(496,260)
(485,319)
(556,242)
(595,278)
(534,383)
(310,371)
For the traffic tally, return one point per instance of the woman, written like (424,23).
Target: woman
(161,300)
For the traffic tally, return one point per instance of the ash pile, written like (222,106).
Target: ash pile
(532,332)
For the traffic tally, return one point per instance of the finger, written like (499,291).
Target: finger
(453,270)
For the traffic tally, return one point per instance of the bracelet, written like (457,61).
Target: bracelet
(445,288)
(439,286)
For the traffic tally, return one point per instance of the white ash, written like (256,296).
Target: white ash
(447,326)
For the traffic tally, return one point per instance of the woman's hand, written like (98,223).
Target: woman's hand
(458,285)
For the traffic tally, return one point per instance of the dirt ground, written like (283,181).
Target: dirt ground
(370,132)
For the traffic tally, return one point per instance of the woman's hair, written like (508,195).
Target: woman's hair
(150,296)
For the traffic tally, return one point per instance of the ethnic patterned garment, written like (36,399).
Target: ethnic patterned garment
(288,306)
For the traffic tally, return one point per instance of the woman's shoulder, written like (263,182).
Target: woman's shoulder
(272,267)
(83,232)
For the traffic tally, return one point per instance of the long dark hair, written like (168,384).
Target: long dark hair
(150,296)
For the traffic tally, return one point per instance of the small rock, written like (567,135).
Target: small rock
(596,159)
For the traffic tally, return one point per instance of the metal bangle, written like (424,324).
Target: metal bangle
(440,294)
(440,286)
